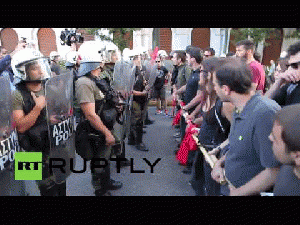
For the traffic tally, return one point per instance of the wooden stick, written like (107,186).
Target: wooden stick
(211,159)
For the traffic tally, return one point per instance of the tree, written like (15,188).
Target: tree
(120,35)
(255,34)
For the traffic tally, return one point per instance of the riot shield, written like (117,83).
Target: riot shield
(153,74)
(8,143)
(123,82)
(60,120)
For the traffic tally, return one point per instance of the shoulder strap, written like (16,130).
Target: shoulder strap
(218,108)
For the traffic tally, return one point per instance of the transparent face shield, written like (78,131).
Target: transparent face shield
(35,71)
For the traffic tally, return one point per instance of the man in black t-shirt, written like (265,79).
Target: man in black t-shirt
(159,89)
(286,89)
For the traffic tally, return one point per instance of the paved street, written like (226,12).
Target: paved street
(166,179)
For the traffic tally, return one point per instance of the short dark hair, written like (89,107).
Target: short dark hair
(188,48)
(289,118)
(235,74)
(211,50)
(248,44)
(294,49)
(257,56)
(213,64)
(181,55)
(196,53)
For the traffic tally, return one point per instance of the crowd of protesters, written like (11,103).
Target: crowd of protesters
(245,119)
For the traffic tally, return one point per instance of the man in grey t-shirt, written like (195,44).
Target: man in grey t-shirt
(250,165)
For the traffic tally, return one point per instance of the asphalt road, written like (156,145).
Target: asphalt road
(166,179)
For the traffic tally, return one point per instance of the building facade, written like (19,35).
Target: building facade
(219,39)
(168,39)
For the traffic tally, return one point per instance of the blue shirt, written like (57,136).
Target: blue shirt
(250,148)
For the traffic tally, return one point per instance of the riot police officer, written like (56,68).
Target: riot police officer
(92,101)
(139,108)
(31,69)
(112,58)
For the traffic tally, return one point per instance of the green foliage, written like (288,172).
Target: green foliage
(255,34)
(119,35)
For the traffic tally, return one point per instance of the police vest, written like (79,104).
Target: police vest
(106,108)
(36,138)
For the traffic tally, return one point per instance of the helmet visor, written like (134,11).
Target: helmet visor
(35,70)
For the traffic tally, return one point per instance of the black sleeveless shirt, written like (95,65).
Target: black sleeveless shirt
(215,127)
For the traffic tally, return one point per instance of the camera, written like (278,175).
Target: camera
(70,36)
(23,41)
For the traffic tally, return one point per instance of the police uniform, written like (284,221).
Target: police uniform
(138,113)
(88,92)
(36,138)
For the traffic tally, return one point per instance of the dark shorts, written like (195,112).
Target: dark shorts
(159,93)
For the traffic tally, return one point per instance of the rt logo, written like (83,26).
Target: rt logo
(28,166)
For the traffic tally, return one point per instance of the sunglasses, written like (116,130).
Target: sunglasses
(293,65)
(157,61)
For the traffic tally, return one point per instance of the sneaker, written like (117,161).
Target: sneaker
(141,147)
(177,135)
(158,112)
(114,185)
(149,122)
(102,193)
(187,170)
(178,140)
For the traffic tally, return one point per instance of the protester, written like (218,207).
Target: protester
(214,130)
(249,164)
(286,89)
(208,53)
(285,138)
(245,49)
(5,61)
(180,75)
(159,87)
(194,58)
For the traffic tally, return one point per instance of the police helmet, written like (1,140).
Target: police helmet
(90,61)
(71,58)
(30,65)
(53,55)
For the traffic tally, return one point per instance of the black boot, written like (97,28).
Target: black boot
(101,192)
(48,190)
(110,183)
(102,188)
(61,189)
(139,139)
(147,120)
(131,139)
